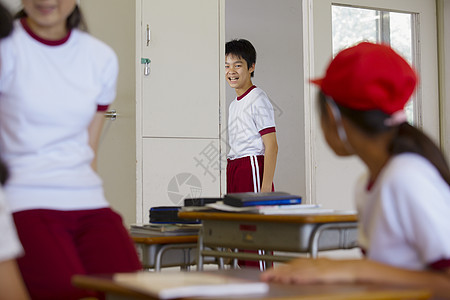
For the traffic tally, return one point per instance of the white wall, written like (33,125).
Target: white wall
(275,29)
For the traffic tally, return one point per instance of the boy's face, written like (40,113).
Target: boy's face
(237,73)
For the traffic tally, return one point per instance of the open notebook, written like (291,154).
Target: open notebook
(171,285)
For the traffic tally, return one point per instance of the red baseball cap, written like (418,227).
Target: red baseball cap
(369,76)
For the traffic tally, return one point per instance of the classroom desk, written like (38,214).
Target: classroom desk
(285,233)
(359,291)
(166,251)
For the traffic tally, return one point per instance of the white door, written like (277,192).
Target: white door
(117,149)
(410,27)
(178,107)
(181,92)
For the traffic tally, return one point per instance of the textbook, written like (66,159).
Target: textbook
(164,229)
(171,285)
(258,199)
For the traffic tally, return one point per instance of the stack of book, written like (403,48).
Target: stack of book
(152,229)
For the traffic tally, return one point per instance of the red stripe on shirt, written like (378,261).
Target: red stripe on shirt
(245,94)
(267,130)
(440,264)
(102,107)
(27,28)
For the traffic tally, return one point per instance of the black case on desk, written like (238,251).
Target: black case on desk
(200,201)
(168,215)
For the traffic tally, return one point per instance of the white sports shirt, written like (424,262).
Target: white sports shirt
(49,93)
(405,216)
(250,116)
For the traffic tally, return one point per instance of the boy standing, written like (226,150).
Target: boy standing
(251,125)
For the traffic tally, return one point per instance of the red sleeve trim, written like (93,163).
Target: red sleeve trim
(102,107)
(440,264)
(267,130)
(364,252)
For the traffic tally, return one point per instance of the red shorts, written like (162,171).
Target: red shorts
(60,244)
(245,174)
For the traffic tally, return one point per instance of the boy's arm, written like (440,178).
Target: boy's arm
(270,160)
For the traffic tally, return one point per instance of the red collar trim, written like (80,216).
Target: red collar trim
(41,40)
(245,94)
(370,185)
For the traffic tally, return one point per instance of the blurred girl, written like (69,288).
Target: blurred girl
(404,201)
(56,81)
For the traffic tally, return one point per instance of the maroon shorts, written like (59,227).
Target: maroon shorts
(60,244)
(245,174)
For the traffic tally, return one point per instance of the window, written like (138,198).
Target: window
(351,25)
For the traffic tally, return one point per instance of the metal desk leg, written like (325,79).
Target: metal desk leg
(235,260)
(314,242)
(200,248)
(164,248)
(186,260)
(221,263)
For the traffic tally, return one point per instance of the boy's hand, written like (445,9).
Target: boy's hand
(266,189)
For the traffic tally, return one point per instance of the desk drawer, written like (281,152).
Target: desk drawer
(276,236)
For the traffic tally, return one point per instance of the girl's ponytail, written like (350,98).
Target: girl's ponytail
(411,139)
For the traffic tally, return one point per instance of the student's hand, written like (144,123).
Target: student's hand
(266,189)
(306,270)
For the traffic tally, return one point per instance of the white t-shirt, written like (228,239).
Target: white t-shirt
(405,217)
(48,96)
(10,247)
(250,117)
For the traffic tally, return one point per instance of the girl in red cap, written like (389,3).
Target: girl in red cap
(404,201)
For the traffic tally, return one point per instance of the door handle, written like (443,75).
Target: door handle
(111,114)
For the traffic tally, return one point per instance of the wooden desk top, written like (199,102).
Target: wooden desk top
(277,291)
(158,240)
(313,218)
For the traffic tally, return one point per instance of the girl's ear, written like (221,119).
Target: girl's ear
(335,126)
(329,115)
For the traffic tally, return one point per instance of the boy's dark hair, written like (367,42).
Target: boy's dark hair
(242,48)
(74,20)
(6,24)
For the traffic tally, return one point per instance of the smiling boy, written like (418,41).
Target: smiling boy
(251,125)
